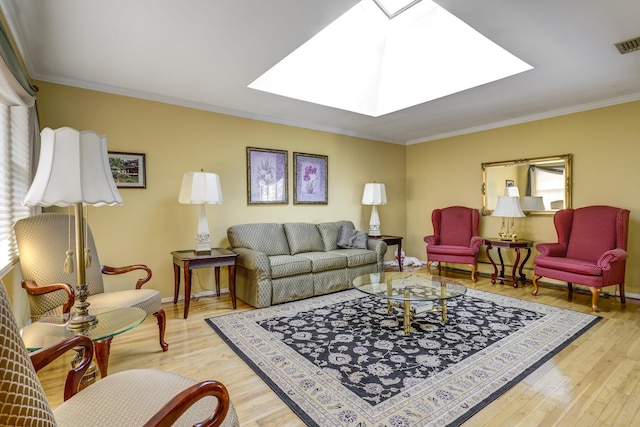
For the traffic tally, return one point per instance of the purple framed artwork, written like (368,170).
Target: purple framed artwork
(267,176)
(310,181)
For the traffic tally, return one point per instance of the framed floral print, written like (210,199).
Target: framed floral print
(267,176)
(310,181)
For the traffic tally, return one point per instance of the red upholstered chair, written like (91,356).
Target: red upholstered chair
(591,250)
(455,238)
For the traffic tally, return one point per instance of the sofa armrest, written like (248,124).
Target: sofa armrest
(476,242)
(552,249)
(432,240)
(380,248)
(610,257)
(254,260)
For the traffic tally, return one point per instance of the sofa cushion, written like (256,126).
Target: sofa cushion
(303,237)
(357,257)
(329,233)
(323,261)
(349,238)
(268,238)
(289,265)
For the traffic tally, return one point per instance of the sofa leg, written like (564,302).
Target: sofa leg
(535,284)
(474,276)
(570,287)
(623,300)
(595,295)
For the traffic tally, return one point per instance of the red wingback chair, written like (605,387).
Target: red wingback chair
(591,250)
(455,238)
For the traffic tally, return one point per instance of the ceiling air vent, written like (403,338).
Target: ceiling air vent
(628,46)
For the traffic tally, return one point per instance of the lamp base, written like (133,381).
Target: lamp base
(374,222)
(83,323)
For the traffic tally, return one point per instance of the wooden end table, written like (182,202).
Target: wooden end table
(190,260)
(390,241)
(517,266)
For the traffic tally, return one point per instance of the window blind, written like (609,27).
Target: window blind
(14,178)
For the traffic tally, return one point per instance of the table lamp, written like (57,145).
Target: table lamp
(74,170)
(508,207)
(374,194)
(201,188)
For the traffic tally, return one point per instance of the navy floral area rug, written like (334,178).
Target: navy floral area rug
(343,360)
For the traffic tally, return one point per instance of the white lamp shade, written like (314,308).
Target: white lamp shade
(200,188)
(73,168)
(532,203)
(374,194)
(508,207)
(513,192)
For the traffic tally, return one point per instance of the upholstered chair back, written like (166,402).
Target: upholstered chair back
(608,223)
(22,399)
(455,225)
(43,241)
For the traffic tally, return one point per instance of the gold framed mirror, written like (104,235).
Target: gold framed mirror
(543,183)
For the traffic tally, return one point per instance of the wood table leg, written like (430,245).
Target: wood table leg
(217,276)
(187,291)
(176,282)
(515,269)
(493,263)
(523,277)
(232,285)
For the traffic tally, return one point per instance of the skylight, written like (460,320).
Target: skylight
(368,63)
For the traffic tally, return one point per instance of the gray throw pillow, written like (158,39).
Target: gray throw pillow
(351,239)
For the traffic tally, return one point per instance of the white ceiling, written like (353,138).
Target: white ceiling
(204,53)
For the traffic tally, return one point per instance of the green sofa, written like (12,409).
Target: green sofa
(286,262)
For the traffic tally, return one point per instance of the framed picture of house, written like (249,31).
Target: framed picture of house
(267,176)
(310,181)
(128,169)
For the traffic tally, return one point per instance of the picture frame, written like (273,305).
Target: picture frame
(267,174)
(311,179)
(129,170)
(510,183)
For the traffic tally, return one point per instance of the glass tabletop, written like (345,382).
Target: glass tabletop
(409,286)
(111,322)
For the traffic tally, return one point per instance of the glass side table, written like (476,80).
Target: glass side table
(111,322)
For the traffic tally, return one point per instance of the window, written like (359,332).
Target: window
(548,183)
(14,178)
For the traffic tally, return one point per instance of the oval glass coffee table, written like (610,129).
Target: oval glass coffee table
(412,292)
(111,322)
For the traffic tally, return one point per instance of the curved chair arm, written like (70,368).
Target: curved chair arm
(610,257)
(552,249)
(46,355)
(476,242)
(432,240)
(121,270)
(177,406)
(34,290)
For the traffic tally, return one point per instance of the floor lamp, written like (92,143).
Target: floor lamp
(73,170)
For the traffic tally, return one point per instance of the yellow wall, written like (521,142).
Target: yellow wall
(604,144)
(152,223)
(418,178)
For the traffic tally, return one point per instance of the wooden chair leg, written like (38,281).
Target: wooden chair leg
(162,322)
(570,286)
(535,284)
(102,350)
(595,295)
(623,299)
(474,272)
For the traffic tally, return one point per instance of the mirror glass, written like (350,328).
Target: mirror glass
(543,184)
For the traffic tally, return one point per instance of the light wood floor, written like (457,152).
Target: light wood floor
(595,381)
